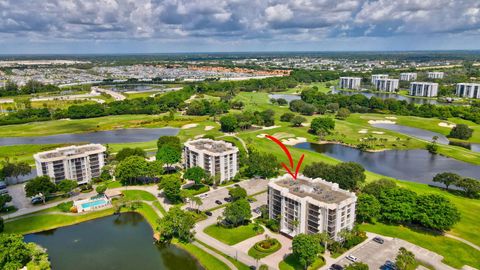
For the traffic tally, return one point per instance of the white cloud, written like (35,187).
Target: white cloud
(278,13)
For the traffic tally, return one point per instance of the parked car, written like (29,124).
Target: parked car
(250,200)
(36,200)
(336,267)
(252,267)
(218,202)
(203,196)
(3,187)
(228,199)
(378,240)
(389,265)
(236,185)
(352,258)
(208,213)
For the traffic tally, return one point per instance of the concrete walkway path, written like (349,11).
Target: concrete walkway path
(216,255)
(463,240)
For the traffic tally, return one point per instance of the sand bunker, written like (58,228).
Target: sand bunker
(271,127)
(293,141)
(391,117)
(378,132)
(443,124)
(363,131)
(371,122)
(207,128)
(261,135)
(187,126)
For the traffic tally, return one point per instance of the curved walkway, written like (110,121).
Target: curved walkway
(463,240)
(216,255)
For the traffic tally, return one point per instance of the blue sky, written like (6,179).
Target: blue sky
(156,26)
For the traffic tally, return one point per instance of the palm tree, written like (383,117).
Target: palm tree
(256,227)
(197,201)
(324,238)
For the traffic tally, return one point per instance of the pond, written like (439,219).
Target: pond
(114,242)
(412,165)
(287,97)
(427,135)
(136,87)
(390,95)
(103,137)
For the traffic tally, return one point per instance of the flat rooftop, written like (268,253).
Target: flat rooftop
(71,151)
(212,145)
(317,189)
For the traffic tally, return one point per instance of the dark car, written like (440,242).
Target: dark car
(250,200)
(378,240)
(228,199)
(208,213)
(218,202)
(36,200)
(252,267)
(336,267)
(389,265)
(236,185)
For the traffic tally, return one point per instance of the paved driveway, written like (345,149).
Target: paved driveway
(252,186)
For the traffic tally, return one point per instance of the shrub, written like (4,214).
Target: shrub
(65,206)
(461,131)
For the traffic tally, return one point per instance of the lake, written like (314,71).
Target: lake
(121,242)
(287,97)
(427,135)
(413,165)
(103,137)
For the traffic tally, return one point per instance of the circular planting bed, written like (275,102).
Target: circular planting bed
(264,248)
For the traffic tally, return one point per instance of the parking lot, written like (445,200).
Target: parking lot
(375,254)
(252,186)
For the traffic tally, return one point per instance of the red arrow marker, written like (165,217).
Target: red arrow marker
(285,149)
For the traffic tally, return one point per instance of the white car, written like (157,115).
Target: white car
(352,258)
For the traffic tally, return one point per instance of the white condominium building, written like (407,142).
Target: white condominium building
(81,163)
(350,83)
(376,77)
(468,90)
(408,76)
(423,89)
(307,205)
(215,157)
(435,75)
(386,85)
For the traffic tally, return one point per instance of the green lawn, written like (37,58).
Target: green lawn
(148,213)
(232,236)
(291,263)
(138,195)
(238,264)
(455,253)
(159,207)
(42,222)
(205,259)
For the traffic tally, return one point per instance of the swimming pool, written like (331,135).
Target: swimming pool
(94,203)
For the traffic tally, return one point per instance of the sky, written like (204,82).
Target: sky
(163,26)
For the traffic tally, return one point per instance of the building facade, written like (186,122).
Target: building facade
(376,77)
(468,90)
(309,206)
(386,85)
(423,89)
(350,83)
(435,75)
(215,157)
(408,76)
(80,163)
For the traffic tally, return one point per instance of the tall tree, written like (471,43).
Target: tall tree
(66,186)
(470,186)
(127,152)
(375,188)
(367,209)
(405,260)
(237,193)
(447,178)
(196,174)
(171,189)
(436,212)
(261,164)
(130,169)
(306,248)
(169,154)
(176,223)
(237,212)
(40,185)
(398,205)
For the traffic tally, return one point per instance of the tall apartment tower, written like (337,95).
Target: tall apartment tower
(435,75)
(215,157)
(408,76)
(350,83)
(468,90)
(376,77)
(80,163)
(310,206)
(423,89)
(386,85)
